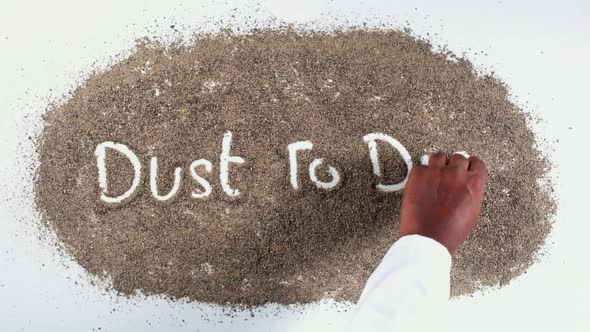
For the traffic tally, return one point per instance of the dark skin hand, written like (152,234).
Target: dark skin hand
(442,200)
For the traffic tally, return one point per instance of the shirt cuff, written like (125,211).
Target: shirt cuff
(416,249)
(412,280)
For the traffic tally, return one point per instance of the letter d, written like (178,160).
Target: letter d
(100,154)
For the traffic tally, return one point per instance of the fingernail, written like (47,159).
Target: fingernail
(463,153)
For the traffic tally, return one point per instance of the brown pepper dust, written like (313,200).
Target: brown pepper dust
(270,89)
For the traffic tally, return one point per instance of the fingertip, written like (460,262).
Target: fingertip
(476,165)
(459,160)
(438,159)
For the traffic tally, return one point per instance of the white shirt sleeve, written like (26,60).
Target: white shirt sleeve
(407,290)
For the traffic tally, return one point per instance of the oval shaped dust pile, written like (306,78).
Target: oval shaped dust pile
(272,243)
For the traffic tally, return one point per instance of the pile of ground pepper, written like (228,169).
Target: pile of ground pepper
(271,88)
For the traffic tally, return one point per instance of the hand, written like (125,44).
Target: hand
(442,200)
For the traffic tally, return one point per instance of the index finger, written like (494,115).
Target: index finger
(477,166)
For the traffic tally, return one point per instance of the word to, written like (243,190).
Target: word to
(226,159)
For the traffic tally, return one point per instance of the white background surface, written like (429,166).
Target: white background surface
(540,48)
